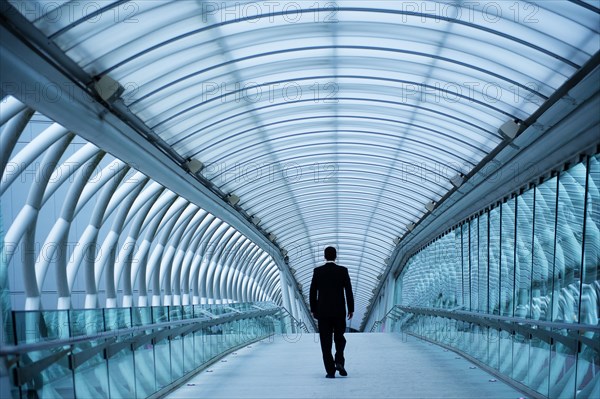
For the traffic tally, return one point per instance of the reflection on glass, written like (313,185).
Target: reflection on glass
(474,265)
(507,256)
(482,260)
(523,254)
(534,258)
(543,250)
(140,360)
(569,233)
(494,261)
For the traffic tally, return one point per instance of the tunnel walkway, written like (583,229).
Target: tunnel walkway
(379,365)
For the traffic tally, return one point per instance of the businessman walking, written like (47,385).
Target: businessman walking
(328,306)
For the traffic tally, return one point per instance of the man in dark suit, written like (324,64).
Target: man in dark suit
(328,305)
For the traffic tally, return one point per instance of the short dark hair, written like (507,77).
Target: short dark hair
(330,253)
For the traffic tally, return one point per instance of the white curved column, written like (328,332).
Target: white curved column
(27,219)
(258,275)
(227,273)
(206,281)
(191,214)
(106,261)
(180,257)
(188,254)
(142,206)
(285,296)
(11,107)
(56,239)
(189,279)
(192,269)
(156,274)
(272,279)
(86,248)
(245,274)
(254,272)
(180,277)
(30,152)
(235,282)
(13,129)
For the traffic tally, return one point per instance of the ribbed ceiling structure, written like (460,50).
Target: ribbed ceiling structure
(336,122)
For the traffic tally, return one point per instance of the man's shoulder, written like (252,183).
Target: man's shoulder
(327,265)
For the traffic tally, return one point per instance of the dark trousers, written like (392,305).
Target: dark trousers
(328,327)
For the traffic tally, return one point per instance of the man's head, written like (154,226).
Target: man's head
(330,254)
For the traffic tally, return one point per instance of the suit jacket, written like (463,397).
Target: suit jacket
(327,288)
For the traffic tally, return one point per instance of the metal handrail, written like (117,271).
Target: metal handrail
(7,350)
(377,323)
(544,330)
(108,341)
(299,324)
(539,323)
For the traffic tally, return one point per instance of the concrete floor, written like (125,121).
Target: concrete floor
(378,365)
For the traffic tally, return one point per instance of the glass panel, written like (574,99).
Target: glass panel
(539,366)
(459,268)
(34,326)
(543,250)
(591,260)
(506,352)
(118,318)
(493,348)
(54,382)
(162,362)
(507,272)
(588,369)
(121,373)
(494,263)
(474,264)
(512,250)
(145,373)
(200,355)
(189,350)
(177,358)
(87,322)
(91,377)
(483,255)
(562,369)
(588,360)
(567,266)
(520,366)
(465,266)
(523,257)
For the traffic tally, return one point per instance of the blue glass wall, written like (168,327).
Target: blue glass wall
(534,257)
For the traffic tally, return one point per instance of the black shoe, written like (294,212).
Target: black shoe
(340,367)
(330,375)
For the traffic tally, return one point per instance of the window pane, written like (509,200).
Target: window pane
(459,266)
(588,360)
(483,263)
(591,257)
(543,249)
(494,263)
(567,266)
(465,266)
(507,272)
(523,254)
(474,265)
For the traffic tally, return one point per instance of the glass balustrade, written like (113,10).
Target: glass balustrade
(517,287)
(129,352)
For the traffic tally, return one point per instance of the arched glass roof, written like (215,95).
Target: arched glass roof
(334,122)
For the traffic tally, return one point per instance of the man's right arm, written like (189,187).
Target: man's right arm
(313,294)
(349,295)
